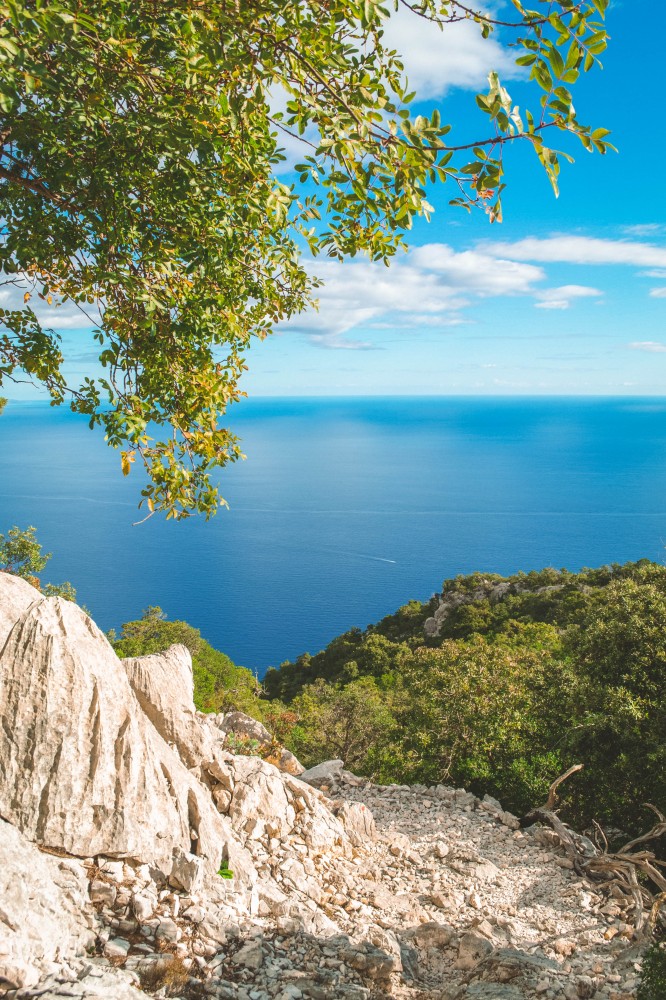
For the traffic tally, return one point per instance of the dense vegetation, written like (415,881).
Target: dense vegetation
(527,675)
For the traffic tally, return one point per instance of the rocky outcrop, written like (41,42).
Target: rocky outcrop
(131,832)
(490,590)
(82,768)
(164,688)
(449,601)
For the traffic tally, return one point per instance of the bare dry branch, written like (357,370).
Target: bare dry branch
(613,869)
(552,791)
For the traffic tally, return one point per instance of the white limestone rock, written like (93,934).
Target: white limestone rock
(164,687)
(358,822)
(43,918)
(327,773)
(16,596)
(268,802)
(81,767)
(259,803)
(187,871)
(244,725)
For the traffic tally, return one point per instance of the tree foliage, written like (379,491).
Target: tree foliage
(21,554)
(353,721)
(139,182)
(528,675)
(219,685)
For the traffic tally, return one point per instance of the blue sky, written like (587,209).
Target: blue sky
(566,296)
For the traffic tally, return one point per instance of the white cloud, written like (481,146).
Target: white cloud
(476,271)
(648,345)
(644,229)
(359,293)
(437,60)
(562,297)
(658,293)
(581,250)
(336,343)
(428,289)
(57,316)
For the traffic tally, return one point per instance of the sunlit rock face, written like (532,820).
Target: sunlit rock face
(82,768)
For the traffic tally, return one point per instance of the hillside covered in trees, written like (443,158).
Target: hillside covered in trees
(498,685)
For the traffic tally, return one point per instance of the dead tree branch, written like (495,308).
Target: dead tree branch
(634,874)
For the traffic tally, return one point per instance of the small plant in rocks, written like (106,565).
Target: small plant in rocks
(172,978)
(243,745)
(225,872)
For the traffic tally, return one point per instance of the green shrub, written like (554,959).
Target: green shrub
(352,722)
(653,978)
(21,554)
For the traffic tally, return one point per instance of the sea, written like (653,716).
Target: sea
(345,509)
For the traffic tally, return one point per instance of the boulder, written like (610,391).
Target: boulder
(473,947)
(358,821)
(259,803)
(187,871)
(430,935)
(328,773)
(81,766)
(164,687)
(244,725)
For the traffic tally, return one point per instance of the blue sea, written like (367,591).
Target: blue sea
(345,509)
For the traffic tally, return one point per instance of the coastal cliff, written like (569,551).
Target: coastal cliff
(139,854)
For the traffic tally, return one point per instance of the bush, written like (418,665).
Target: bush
(653,979)
(351,722)
(21,554)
